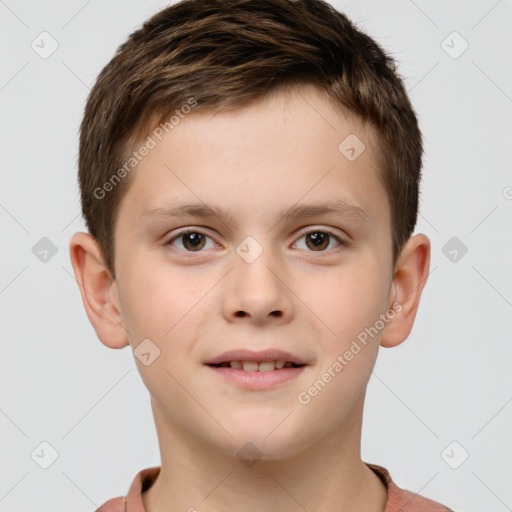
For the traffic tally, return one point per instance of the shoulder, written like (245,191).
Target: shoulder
(113,505)
(143,480)
(403,500)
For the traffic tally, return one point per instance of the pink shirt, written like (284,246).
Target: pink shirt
(399,500)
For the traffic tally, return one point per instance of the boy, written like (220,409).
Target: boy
(278,142)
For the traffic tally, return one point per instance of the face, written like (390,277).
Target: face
(254,266)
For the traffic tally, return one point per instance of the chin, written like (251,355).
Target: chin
(264,440)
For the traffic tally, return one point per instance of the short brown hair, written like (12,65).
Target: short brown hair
(225,54)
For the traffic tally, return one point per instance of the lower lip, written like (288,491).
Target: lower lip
(256,381)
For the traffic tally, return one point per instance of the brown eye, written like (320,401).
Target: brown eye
(319,241)
(191,241)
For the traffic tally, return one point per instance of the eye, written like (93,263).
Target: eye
(318,240)
(315,240)
(191,240)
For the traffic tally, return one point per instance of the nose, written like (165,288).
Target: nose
(257,292)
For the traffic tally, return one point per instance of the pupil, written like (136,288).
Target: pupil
(318,239)
(193,240)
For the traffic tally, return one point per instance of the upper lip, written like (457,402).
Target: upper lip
(249,355)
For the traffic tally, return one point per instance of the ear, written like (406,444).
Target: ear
(411,273)
(98,289)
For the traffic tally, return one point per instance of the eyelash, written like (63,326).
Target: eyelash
(342,242)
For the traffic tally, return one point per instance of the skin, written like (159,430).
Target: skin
(193,305)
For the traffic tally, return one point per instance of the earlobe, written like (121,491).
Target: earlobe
(98,290)
(409,279)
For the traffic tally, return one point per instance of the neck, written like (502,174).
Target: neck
(328,475)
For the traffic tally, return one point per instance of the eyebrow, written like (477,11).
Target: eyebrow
(180,210)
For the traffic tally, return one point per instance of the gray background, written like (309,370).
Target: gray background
(449,382)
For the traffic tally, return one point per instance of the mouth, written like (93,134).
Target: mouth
(263,360)
(257,366)
(257,371)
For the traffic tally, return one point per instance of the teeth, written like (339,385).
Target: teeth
(250,367)
(265,366)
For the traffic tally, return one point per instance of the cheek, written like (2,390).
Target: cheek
(160,308)
(155,303)
(350,300)
(351,306)
(167,309)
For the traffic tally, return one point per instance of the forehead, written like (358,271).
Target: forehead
(290,147)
